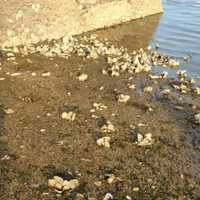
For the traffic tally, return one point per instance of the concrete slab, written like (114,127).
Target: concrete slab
(23,22)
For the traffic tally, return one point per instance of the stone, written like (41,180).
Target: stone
(75,17)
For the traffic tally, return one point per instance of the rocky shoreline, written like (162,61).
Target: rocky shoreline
(84,119)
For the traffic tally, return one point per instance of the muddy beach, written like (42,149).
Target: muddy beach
(91,110)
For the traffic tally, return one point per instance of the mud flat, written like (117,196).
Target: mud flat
(86,119)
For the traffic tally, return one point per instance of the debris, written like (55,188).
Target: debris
(70,116)
(105,141)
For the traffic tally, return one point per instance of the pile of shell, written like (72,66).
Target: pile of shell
(60,185)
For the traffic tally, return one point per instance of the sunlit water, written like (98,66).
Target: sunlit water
(178,33)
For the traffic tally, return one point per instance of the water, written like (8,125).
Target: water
(178,33)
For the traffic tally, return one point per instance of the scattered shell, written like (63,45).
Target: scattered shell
(99,106)
(123,98)
(46,74)
(16,74)
(197,118)
(148,89)
(173,63)
(113,179)
(61,185)
(146,140)
(108,127)
(131,86)
(105,141)
(51,183)
(166,91)
(9,111)
(83,77)
(108,196)
(136,189)
(70,116)
(197,90)
(98,183)
(182,74)
(70,185)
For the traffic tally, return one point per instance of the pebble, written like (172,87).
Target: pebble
(83,77)
(70,116)
(105,141)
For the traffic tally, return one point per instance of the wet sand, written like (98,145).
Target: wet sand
(36,143)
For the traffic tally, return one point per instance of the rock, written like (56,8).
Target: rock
(197,118)
(123,98)
(70,116)
(105,141)
(83,77)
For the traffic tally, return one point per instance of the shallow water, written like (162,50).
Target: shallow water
(178,33)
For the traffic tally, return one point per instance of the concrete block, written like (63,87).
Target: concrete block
(28,21)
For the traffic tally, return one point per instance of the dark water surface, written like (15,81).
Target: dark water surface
(178,33)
